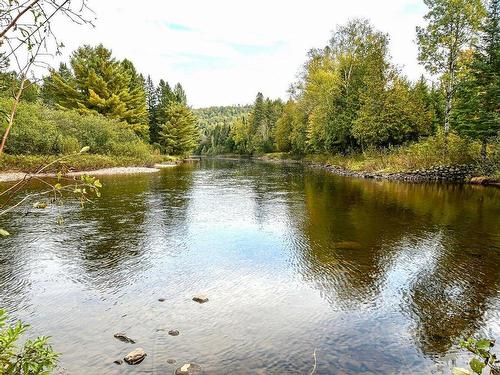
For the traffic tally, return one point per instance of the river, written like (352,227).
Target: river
(374,277)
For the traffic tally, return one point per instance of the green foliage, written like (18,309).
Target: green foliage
(483,357)
(159,101)
(215,124)
(451,27)
(477,113)
(40,130)
(178,135)
(284,127)
(430,151)
(34,357)
(97,83)
(9,84)
(254,134)
(391,114)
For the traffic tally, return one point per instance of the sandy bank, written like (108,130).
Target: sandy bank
(16,176)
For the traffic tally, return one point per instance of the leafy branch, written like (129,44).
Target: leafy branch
(82,188)
(484,358)
(35,357)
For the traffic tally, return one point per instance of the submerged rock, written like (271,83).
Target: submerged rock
(124,338)
(171,361)
(173,332)
(188,369)
(200,298)
(135,357)
(348,245)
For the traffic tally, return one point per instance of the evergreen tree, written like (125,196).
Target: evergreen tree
(179,135)
(98,83)
(180,95)
(165,97)
(478,107)
(152,103)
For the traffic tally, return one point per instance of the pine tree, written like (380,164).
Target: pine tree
(152,107)
(179,135)
(478,108)
(98,83)
(180,95)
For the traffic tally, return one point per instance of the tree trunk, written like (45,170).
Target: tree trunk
(484,143)
(447,112)
(449,95)
(12,115)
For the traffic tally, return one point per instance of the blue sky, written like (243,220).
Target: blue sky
(225,51)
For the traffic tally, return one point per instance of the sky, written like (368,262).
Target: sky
(225,51)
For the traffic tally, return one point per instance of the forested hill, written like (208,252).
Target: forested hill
(214,124)
(212,116)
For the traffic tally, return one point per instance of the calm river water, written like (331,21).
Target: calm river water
(375,277)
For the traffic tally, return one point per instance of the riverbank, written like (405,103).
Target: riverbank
(14,168)
(366,168)
(77,162)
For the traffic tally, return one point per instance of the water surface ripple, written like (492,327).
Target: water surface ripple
(377,277)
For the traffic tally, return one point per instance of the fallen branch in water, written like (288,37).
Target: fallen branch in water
(313,370)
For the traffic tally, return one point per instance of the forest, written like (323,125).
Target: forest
(351,100)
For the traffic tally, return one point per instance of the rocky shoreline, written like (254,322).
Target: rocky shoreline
(462,174)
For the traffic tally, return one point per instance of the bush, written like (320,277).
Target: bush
(33,358)
(38,130)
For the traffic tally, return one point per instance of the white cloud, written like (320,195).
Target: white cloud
(225,51)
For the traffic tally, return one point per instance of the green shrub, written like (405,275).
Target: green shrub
(38,130)
(34,357)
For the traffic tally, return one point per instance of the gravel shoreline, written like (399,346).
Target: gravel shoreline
(461,174)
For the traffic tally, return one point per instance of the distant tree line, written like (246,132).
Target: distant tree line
(350,96)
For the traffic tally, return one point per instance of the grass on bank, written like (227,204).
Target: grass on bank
(427,153)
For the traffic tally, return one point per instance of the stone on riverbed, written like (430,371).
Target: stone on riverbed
(188,369)
(123,337)
(135,357)
(200,298)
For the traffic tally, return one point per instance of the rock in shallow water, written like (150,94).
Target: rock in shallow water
(135,357)
(161,299)
(123,337)
(173,332)
(118,362)
(200,298)
(188,369)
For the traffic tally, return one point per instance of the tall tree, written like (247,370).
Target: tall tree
(478,107)
(180,94)
(451,27)
(179,135)
(98,83)
(152,103)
